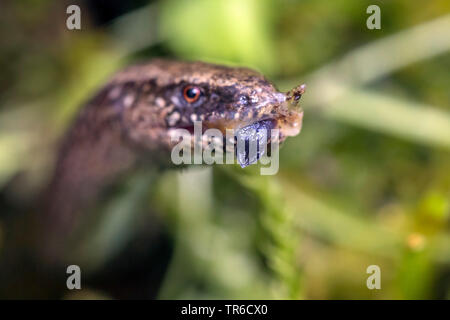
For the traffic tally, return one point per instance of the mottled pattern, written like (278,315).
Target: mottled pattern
(130,119)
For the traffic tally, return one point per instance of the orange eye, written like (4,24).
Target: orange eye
(191,93)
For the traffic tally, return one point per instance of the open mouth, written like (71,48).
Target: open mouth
(249,142)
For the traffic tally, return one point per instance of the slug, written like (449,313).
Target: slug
(129,122)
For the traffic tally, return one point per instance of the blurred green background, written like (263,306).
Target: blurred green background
(367,182)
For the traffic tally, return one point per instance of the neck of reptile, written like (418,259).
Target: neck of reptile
(93,155)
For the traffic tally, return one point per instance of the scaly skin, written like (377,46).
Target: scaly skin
(129,121)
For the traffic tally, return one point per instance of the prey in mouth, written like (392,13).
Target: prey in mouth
(174,95)
(131,120)
(287,120)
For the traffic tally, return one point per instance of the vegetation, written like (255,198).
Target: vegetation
(366,182)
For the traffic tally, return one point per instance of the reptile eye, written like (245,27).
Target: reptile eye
(191,93)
